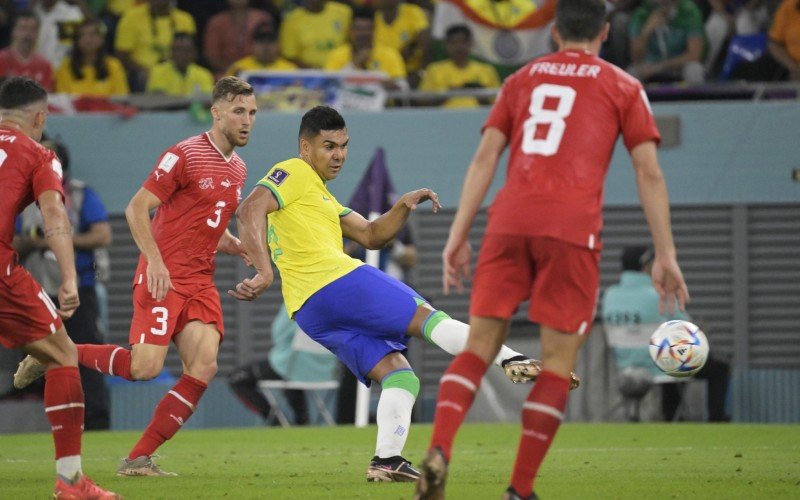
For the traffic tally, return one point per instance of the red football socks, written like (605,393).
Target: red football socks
(63,404)
(542,414)
(106,358)
(172,412)
(456,393)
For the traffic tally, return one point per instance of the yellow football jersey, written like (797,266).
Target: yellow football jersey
(444,75)
(410,21)
(250,63)
(383,59)
(308,37)
(305,235)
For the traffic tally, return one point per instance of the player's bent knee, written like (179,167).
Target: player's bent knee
(202,371)
(146,369)
(402,379)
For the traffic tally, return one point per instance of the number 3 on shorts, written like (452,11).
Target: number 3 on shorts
(162,313)
(548,146)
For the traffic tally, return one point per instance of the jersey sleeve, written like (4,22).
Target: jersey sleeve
(289,40)
(638,124)
(167,175)
(500,117)
(47,175)
(780,22)
(340,209)
(286,183)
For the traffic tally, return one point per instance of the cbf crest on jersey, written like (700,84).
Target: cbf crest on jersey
(277,176)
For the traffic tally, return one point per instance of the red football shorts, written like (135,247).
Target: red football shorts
(26,312)
(560,279)
(157,323)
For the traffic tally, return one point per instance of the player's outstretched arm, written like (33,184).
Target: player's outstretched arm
(457,254)
(138,215)
(251,220)
(375,234)
(667,276)
(231,245)
(58,234)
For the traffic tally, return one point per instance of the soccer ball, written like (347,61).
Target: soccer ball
(679,348)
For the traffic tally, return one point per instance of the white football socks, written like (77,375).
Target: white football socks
(393,419)
(451,336)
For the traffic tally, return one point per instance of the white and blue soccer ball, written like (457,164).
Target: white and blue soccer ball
(679,348)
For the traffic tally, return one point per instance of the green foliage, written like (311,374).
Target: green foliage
(597,461)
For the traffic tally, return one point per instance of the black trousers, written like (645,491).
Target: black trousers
(82,329)
(243,381)
(717,373)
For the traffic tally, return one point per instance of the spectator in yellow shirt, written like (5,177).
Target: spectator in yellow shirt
(310,32)
(266,55)
(144,36)
(405,27)
(459,71)
(180,75)
(362,53)
(89,70)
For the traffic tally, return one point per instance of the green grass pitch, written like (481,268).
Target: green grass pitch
(587,461)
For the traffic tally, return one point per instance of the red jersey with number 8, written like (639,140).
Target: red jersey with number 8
(562,115)
(200,190)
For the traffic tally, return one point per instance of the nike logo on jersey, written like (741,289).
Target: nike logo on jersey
(325,198)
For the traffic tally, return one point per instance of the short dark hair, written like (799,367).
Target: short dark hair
(458,29)
(59,148)
(183,35)
(364,13)
(580,20)
(229,87)
(320,118)
(19,91)
(635,257)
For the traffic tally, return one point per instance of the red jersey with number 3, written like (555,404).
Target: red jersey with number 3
(562,115)
(27,170)
(200,190)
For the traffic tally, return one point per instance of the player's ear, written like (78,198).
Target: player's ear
(215,113)
(555,35)
(39,119)
(604,32)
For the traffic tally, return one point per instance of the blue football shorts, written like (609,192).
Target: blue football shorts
(361,317)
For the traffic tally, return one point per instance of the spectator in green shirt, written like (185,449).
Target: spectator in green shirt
(667,39)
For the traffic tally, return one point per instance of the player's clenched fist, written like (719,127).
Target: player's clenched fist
(68,299)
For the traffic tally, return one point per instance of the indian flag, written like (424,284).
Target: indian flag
(505,32)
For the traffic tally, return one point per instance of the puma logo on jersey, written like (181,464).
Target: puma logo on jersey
(226,183)
(158,175)
(206,183)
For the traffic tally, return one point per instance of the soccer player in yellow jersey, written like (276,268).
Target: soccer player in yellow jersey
(458,71)
(359,313)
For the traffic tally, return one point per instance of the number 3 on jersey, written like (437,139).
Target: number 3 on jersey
(217,215)
(552,118)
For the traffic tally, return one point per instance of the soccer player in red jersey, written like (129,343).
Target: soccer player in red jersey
(195,186)
(28,319)
(560,116)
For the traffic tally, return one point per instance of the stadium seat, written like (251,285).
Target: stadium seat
(743,48)
(319,391)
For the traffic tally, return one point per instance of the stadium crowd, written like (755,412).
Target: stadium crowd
(114,47)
